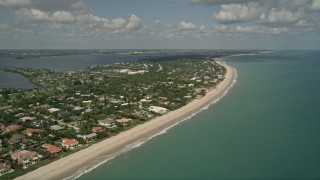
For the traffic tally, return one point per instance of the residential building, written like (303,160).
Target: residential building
(11,128)
(25,158)
(27,118)
(106,122)
(90,137)
(31,131)
(52,110)
(158,109)
(17,138)
(69,143)
(124,121)
(5,168)
(98,129)
(38,122)
(2,125)
(56,127)
(52,149)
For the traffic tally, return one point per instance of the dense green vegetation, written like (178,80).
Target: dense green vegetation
(76,101)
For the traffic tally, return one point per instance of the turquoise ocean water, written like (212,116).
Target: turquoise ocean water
(266,127)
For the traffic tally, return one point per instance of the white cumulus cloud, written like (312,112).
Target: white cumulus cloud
(62,16)
(187,26)
(31,15)
(238,12)
(315,5)
(135,23)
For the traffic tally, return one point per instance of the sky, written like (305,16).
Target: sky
(159,24)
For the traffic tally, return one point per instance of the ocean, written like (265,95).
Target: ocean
(266,127)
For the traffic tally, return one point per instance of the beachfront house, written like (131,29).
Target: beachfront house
(124,121)
(52,149)
(25,158)
(98,129)
(89,137)
(106,122)
(69,143)
(5,168)
(158,109)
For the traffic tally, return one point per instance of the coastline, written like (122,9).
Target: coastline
(69,165)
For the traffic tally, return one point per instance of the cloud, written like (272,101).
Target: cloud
(12,3)
(79,6)
(281,16)
(284,13)
(315,5)
(187,26)
(238,12)
(135,23)
(31,15)
(62,16)
(260,30)
(216,2)
(86,20)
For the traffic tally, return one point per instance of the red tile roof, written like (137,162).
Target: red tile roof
(11,128)
(22,154)
(51,148)
(30,131)
(2,124)
(69,142)
(16,138)
(98,129)
(3,166)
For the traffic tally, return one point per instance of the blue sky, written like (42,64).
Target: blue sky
(192,24)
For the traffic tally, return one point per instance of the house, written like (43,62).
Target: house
(106,122)
(98,129)
(38,122)
(11,128)
(31,131)
(73,118)
(90,137)
(2,125)
(5,168)
(25,158)
(77,108)
(56,127)
(69,143)
(52,149)
(164,103)
(27,118)
(158,109)
(52,110)
(63,114)
(17,138)
(124,121)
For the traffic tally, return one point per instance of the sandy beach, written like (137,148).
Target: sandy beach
(69,165)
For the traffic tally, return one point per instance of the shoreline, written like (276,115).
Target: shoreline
(69,165)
